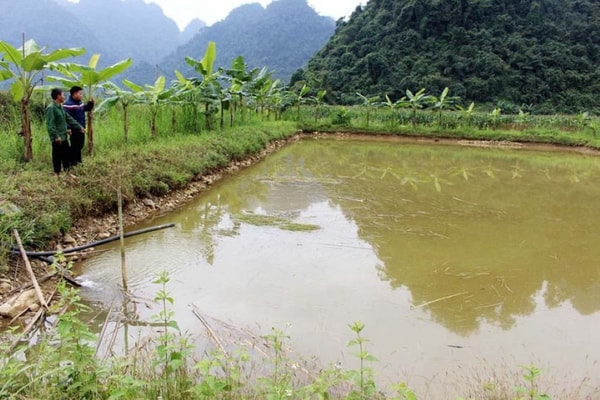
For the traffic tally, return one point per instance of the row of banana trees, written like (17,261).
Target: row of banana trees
(414,102)
(225,92)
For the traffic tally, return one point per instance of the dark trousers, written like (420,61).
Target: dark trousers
(61,156)
(77,141)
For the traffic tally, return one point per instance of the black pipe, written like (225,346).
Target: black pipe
(40,254)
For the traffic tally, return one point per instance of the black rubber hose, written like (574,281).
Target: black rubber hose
(39,254)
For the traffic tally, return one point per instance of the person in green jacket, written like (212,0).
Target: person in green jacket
(59,125)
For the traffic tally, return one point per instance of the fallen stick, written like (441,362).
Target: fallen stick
(36,286)
(440,299)
(211,332)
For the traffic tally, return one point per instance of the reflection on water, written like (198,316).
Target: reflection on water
(448,254)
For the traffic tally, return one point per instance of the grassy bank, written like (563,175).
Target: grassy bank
(143,167)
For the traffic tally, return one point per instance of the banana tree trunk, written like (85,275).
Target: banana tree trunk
(90,132)
(26,113)
(222,122)
(125,124)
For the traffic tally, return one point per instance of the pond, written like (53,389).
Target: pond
(456,259)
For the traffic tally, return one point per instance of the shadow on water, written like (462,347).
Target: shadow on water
(448,254)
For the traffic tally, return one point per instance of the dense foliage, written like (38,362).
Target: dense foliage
(542,54)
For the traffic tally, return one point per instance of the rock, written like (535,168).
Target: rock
(18,303)
(68,239)
(149,203)
(5,287)
(9,209)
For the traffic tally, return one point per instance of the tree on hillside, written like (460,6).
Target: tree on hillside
(539,52)
(25,65)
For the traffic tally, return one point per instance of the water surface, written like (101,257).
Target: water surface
(453,257)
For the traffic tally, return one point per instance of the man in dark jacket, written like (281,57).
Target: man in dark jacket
(60,125)
(75,107)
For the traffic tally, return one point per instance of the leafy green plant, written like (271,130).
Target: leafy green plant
(278,385)
(169,357)
(368,103)
(363,377)
(403,392)
(530,391)
(415,102)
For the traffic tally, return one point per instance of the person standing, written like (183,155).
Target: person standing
(59,125)
(75,107)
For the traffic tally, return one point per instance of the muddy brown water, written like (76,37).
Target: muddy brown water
(457,259)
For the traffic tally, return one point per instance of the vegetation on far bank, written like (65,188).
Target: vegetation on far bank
(538,54)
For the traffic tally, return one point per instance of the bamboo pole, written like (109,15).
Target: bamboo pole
(122,239)
(36,286)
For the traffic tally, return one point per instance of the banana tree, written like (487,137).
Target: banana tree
(116,95)
(393,106)
(416,102)
(299,99)
(24,65)
(89,78)
(153,96)
(442,102)
(317,101)
(239,79)
(368,102)
(209,89)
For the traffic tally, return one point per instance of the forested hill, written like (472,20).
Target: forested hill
(283,37)
(540,52)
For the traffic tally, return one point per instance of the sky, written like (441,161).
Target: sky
(211,11)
